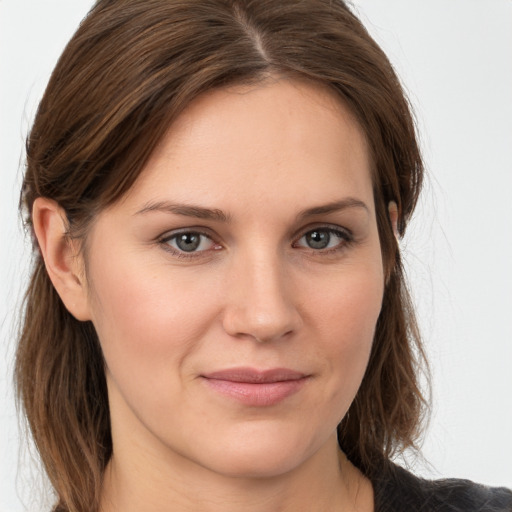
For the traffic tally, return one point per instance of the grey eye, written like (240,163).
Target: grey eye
(318,239)
(189,241)
(323,238)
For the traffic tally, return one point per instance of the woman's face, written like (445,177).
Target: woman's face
(235,289)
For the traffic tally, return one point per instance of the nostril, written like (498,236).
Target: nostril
(265,340)
(244,322)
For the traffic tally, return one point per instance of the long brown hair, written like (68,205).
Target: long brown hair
(129,70)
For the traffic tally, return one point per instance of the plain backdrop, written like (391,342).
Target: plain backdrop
(455,60)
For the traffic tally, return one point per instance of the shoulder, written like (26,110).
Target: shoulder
(397,490)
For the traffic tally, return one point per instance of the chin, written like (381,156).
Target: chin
(256,465)
(263,454)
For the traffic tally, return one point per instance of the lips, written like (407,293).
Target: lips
(257,388)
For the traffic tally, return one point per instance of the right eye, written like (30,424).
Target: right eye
(187,242)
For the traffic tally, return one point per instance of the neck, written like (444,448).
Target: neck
(326,481)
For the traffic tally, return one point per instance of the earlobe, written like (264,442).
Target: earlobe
(61,256)
(393,217)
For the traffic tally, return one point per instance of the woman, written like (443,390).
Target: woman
(217,318)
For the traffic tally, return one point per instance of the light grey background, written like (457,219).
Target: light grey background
(455,59)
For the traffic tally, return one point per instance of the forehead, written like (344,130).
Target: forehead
(278,139)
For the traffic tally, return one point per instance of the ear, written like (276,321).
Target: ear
(62,258)
(393,217)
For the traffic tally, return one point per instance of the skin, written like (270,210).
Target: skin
(254,293)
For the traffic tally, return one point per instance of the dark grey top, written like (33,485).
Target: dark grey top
(397,490)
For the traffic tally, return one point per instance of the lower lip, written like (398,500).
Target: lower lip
(256,394)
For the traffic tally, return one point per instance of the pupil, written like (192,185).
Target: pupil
(318,239)
(188,242)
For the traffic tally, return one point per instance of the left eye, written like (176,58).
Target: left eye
(189,241)
(322,238)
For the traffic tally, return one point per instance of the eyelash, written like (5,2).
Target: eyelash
(165,239)
(345,239)
(344,236)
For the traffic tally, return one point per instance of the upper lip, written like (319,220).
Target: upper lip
(255,376)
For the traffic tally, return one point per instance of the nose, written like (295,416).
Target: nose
(260,301)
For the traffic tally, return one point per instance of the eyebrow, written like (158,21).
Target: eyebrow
(198,212)
(336,206)
(215,214)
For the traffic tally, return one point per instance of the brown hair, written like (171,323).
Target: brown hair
(129,70)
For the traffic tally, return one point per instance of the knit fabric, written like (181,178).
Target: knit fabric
(397,490)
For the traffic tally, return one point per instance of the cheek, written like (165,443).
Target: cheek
(346,316)
(145,320)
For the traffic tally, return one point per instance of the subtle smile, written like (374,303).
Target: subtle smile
(256,388)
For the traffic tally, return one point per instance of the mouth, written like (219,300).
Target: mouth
(256,388)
